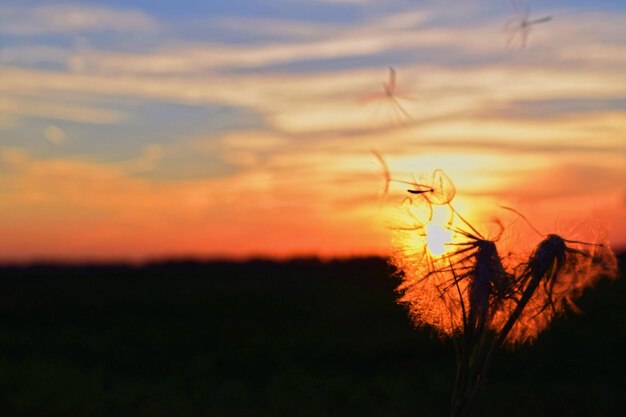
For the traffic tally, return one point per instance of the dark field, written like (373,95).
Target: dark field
(302,338)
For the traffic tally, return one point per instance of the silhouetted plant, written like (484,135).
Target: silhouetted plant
(472,293)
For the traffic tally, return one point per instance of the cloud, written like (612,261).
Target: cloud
(71,19)
(289,30)
(319,102)
(206,73)
(591,129)
(585,181)
(593,54)
(210,57)
(54,109)
(29,55)
(254,141)
(508,146)
(151,155)
(413,30)
(324,42)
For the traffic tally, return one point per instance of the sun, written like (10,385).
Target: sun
(432,237)
(437,235)
(437,238)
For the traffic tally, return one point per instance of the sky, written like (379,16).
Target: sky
(134,130)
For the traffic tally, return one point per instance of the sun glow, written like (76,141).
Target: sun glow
(437,231)
(437,238)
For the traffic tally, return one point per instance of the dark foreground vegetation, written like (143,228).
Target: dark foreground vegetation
(302,338)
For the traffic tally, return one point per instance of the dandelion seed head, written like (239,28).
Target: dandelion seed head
(564,269)
(443,190)
(425,276)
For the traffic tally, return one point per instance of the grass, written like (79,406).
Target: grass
(302,338)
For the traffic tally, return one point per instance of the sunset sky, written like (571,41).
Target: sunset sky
(142,129)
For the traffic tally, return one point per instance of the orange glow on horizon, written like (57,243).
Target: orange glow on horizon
(102,212)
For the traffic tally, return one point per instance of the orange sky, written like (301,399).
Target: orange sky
(169,146)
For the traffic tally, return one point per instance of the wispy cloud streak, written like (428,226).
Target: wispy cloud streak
(20,20)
